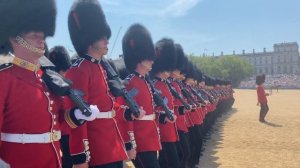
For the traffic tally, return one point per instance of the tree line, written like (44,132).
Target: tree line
(229,67)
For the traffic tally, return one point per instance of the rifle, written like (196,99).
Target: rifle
(157,97)
(196,94)
(62,87)
(187,95)
(128,98)
(178,96)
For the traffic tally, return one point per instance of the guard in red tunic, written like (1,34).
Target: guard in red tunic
(97,143)
(180,110)
(139,53)
(163,65)
(194,131)
(262,97)
(31,116)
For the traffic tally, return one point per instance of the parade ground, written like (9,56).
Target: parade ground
(239,140)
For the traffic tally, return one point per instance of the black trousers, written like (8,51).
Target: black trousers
(146,160)
(118,164)
(195,145)
(183,149)
(264,108)
(168,156)
(65,149)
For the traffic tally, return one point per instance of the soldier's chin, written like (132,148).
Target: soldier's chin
(39,51)
(105,52)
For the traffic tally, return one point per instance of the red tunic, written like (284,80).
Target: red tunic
(188,121)
(261,95)
(145,131)
(168,131)
(181,118)
(27,106)
(195,114)
(101,136)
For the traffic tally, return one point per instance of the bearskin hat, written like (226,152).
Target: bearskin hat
(208,80)
(87,24)
(198,75)
(260,79)
(19,16)
(59,56)
(166,57)
(189,70)
(185,63)
(121,68)
(137,46)
(181,59)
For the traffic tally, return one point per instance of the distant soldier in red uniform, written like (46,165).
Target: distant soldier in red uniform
(163,65)
(98,143)
(139,53)
(31,116)
(262,97)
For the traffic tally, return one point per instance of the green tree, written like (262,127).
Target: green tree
(233,68)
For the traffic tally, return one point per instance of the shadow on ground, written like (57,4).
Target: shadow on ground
(213,141)
(271,124)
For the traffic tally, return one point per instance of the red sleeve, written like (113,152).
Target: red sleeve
(125,126)
(78,136)
(176,101)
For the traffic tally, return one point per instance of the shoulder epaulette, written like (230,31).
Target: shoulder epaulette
(5,66)
(77,62)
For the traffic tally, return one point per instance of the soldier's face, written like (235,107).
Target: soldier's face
(35,39)
(101,46)
(166,74)
(175,74)
(147,65)
(30,44)
(202,84)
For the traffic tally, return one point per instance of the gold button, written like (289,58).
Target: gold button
(50,108)
(54,122)
(47,93)
(54,116)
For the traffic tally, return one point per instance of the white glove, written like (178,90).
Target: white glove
(78,114)
(3,164)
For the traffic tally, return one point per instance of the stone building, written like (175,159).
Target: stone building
(284,59)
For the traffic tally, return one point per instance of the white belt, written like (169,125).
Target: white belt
(148,117)
(108,114)
(31,138)
(163,112)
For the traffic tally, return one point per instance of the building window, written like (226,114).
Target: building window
(278,69)
(272,70)
(260,60)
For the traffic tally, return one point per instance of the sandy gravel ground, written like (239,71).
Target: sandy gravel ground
(239,140)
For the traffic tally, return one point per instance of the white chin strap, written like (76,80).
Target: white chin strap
(28,46)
